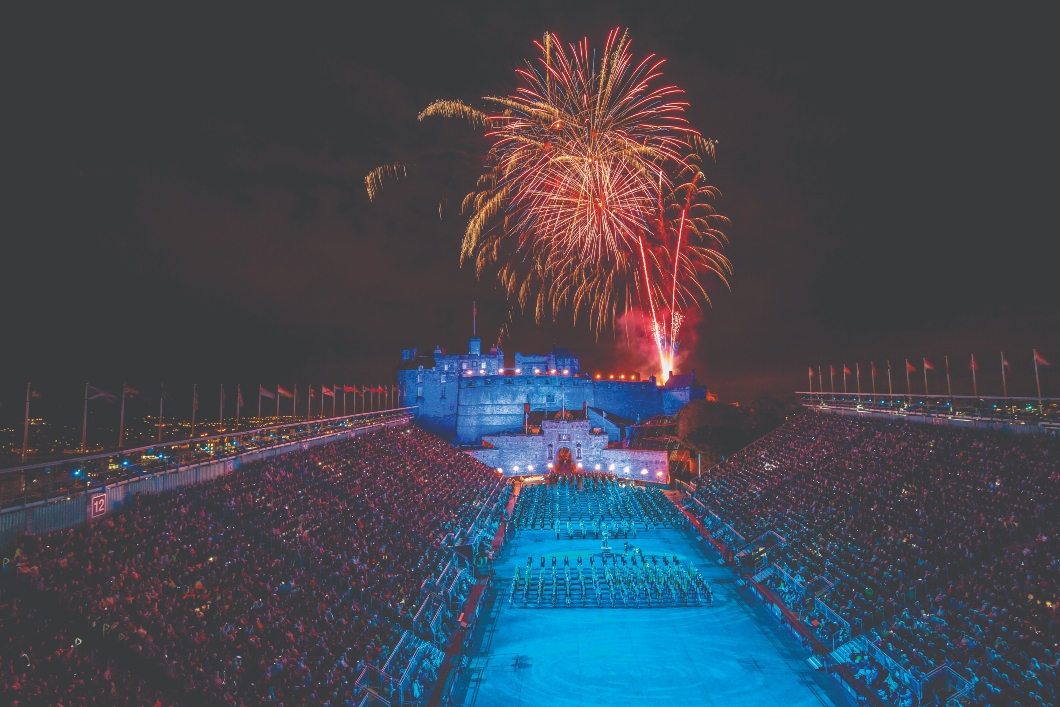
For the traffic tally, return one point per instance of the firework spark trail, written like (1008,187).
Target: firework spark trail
(593,195)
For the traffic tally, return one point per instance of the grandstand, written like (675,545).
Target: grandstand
(316,577)
(842,559)
(925,558)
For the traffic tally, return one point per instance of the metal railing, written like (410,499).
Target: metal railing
(42,482)
(967,409)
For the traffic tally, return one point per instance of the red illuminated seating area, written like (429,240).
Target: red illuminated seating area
(275,584)
(941,545)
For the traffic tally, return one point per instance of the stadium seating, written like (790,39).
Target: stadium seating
(939,546)
(283,582)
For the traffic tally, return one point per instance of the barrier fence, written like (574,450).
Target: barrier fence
(1012,414)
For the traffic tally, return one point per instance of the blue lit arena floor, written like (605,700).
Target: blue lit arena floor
(730,654)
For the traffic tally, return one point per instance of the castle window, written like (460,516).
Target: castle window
(578,449)
(550,452)
(419,378)
(419,392)
(443,379)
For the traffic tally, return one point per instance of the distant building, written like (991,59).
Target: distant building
(541,411)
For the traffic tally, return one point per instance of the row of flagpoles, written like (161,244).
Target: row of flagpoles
(926,366)
(373,398)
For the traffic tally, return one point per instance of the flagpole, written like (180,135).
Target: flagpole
(259,403)
(924,361)
(294,403)
(25,423)
(908,385)
(844,379)
(84,425)
(161,397)
(820,383)
(949,388)
(239,396)
(194,405)
(831,378)
(857,373)
(1004,382)
(1041,408)
(975,387)
(890,388)
(811,382)
(344,400)
(872,374)
(121,420)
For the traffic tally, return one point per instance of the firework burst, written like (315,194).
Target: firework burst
(593,198)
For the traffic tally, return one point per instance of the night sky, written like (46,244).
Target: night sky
(183,195)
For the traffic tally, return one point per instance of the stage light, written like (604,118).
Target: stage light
(611,377)
(537,371)
(658,473)
(598,376)
(500,470)
(518,370)
(550,465)
(579,465)
(643,472)
(611,468)
(515,468)
(530,467)
(598,467)
(566,371)
(627,469)
(623,376)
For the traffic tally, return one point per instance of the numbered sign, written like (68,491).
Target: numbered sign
(98,505)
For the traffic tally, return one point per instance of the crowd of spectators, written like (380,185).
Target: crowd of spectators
(42,663)
(278,583)
(940,545)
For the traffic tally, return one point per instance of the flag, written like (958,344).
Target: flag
(811,371)
(349,389)
(327,391)
(129,391)
(377,390)
(973,365)
(846,370)
(873,368)
(36,393)
(1039,359)
(928,366)
(1005,363)
(266,393)
(833,369)
(312,393)
(239,396)
(281,391)
(94,392)
(910,367)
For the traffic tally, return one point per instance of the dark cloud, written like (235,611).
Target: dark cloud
(183,196)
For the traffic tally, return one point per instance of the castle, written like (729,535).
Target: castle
(541,413)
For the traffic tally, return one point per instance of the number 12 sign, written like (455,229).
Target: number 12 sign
(98,505)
